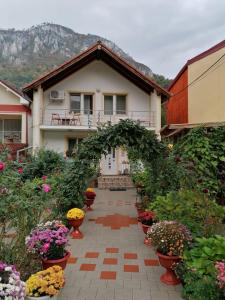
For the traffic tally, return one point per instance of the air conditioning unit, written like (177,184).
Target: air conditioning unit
(57,95)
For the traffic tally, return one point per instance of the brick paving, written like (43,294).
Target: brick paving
(112,262)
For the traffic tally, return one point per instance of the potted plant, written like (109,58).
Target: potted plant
(45,284)
(11,286)
(90,197)
(49,241)
(75,218)
(146,219)
(169,239)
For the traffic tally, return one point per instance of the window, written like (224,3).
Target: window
(108,105)
(88,104)
(73,144)
(75,102)
(121,104)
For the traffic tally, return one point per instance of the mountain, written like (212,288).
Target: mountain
(26,54)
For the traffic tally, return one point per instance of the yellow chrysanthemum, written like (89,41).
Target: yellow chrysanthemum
(75,213)
(90,190)
(46,282)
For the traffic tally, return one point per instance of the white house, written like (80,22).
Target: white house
(92,88)
(15,118)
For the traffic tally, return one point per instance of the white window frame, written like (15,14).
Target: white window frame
(114,103)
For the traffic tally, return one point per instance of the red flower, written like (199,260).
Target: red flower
(2,166)
(44,177)
(20,170)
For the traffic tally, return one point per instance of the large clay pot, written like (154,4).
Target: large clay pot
(62,262)
(90,195)
(41,298)
(169,276)
(88,203)
(145,230)
(76,223)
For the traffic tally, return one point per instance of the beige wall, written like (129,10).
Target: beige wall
(7,97)
(98,78)
(206,98)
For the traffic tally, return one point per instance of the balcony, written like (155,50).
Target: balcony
(63,119)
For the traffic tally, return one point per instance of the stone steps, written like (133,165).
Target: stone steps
(113,182)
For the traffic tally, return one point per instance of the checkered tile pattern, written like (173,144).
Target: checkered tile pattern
(114,264)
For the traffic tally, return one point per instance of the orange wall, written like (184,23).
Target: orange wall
(177,106)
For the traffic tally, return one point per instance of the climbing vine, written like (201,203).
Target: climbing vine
(126,133)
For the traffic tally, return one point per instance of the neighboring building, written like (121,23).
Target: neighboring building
(94,87)
(198,91)
(15,118)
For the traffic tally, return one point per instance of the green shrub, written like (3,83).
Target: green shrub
(195,210)
(45,162)
(205,148)
(166,174)
(200,278)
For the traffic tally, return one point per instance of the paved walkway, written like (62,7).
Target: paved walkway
(111,261)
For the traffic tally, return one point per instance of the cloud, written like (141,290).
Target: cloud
(159,33)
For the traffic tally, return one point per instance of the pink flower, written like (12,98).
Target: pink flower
(46,188)
(44,177)
(20,170)
(2,166)
(45,247)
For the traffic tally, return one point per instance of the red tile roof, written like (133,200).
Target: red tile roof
(84,58)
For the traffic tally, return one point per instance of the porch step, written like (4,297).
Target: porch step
(115,182)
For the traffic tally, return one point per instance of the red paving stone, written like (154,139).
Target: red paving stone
(108,275)
(130,255)
(116,221)
(92,255)
(87,267)
(72,260)
(110,261)
(151,262)
(112,250)
(131,268)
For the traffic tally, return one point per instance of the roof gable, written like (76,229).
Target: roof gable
(18,93)
(198,57)
(100,52)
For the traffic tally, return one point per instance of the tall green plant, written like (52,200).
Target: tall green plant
(194,209)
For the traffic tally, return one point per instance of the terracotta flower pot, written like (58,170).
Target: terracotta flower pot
(47,263)
(41,298)
(140,211)
(145,230)
(90,195)
(167,261)
(76,223)
(88,203)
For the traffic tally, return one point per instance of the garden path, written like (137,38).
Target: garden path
(111,261)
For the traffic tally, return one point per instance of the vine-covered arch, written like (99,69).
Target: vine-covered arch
(127,133)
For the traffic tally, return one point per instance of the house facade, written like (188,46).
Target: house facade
(15,118)
(197,92)
(91,89)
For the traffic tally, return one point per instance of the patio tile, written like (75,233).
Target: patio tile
(112,250)
(92,255)
(110,261)
(108,275)
(131,268)
(130,256)
(151,262)
(87,267)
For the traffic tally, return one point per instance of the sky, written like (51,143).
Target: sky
(162,34)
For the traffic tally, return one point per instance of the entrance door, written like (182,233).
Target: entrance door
(109,163)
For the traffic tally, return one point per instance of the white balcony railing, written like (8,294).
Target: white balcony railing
(90,119)
(8,137)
